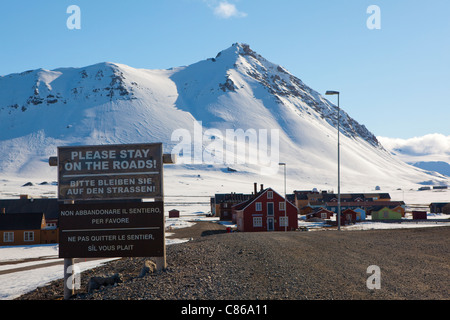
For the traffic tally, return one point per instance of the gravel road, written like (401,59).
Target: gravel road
(315,265)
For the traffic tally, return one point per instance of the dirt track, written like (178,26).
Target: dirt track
(322,265)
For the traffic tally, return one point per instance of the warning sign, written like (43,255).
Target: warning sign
(131,229)
(132,171)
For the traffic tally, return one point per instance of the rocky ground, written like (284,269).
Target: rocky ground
(319,265)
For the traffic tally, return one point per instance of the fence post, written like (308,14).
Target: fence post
(161,263)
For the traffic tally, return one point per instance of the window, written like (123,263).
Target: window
(284,221)
(270,208)
(323,215)
(269,194)
(258,206)
(281,206)
(257,221)
(28,236)
(8,237)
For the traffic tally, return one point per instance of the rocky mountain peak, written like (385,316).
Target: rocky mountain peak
(282,85)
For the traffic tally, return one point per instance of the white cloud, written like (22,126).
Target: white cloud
(431,147)
(428,144)
(225,10)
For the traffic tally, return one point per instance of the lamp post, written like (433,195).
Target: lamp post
(330,93)
(285,207)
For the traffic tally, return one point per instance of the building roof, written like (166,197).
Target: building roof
(21,221)
(439,204)
(232,197)
(245,204)
(48,206)
(303,194)
(367,204)
(322,210)
(383,208)
(328,196)
(319,210)
(290,197)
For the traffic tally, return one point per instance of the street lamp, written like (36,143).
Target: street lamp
(331,93)
(285,207)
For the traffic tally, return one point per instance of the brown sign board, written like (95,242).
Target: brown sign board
(113,229)
(129,171)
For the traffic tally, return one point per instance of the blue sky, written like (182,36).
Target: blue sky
(395,80)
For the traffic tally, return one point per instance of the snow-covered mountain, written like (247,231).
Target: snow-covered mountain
(238,89)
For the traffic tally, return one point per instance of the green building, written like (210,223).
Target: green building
(386,214)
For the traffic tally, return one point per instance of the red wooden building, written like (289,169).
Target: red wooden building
(266,212)
(174,213)
(348,216)
(419,215)
(320,213)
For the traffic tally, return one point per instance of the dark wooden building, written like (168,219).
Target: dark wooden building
(174,213)
(321,213)
(348,216)
(48,206)
(25,229)
(222,204)
(419,215)
(440,207)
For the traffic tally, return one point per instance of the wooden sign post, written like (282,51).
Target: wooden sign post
(104,214)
